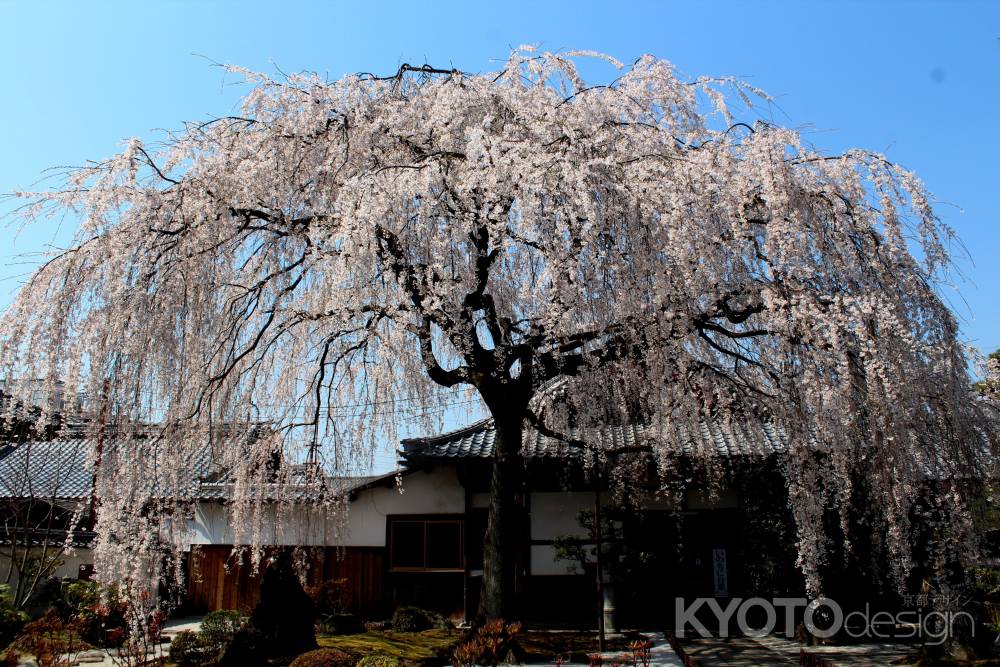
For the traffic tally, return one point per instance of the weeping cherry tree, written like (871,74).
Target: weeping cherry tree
(648,249)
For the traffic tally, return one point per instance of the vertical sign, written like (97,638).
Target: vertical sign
(719,573)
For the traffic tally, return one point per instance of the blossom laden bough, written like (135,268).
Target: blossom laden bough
(569,253)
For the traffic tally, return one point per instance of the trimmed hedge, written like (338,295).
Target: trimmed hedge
(412,619)
(379,660)
(187,649)
(219,627)
(324,657)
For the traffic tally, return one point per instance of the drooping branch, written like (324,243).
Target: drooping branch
(370,241)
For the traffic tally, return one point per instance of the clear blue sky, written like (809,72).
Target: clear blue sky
(917,80)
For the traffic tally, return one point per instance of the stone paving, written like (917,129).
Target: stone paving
(660,654)
(772,650)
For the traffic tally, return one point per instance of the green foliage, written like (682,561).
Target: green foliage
(219,631)
(12,619)
(580,550)
(99,613)
(187,650)
(412,619)
(219,627)
(324,657)
(379,660)
(627,553)
(338,624)
(77,595)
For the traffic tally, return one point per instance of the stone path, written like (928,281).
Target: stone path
(772,650)
(660,654)
(737,651)
(867,654)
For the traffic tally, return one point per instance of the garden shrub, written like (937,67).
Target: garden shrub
(412,619)
(488,646)
(219,627)
(187,650)
(338,624)
(331,597)
(12,619)
(324,657)
(331,600)
(249,648)
(48,639)
(76,596)
(98,613)
(282,623)
(379,660)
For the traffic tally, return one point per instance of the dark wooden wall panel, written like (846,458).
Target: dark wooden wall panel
(211,587)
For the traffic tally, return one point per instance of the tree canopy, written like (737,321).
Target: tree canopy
(650,248)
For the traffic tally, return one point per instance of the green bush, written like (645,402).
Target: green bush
(11,618)
(338,624)
(219,627)
(187,650)
(378,660)
(412,619)
(324,657)
(333,596)
(98,612)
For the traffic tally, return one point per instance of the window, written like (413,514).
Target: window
(432,545)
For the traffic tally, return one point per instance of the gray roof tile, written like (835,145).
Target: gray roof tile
(61,469)
(46,469)
(477,440)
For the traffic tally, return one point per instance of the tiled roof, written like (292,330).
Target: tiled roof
(46,469)
(60,469)
(42,537)
(222,490)
(477,440)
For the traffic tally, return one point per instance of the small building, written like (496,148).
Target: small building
(415,535)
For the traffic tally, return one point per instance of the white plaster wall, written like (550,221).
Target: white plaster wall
(70,568)
(435,492)
(543,562)
(554,514)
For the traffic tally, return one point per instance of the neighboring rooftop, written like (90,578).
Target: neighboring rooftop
(61,469)
(477,441)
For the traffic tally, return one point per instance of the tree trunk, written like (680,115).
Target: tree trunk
(503,544)
(599,561)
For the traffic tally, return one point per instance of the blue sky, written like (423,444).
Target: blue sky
(917,80)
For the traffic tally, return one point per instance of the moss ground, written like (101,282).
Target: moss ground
(410,647)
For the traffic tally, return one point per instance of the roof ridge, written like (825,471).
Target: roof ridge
(482,424)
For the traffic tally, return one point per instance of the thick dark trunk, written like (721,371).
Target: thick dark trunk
(503,543)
